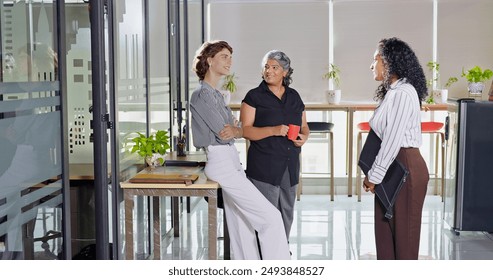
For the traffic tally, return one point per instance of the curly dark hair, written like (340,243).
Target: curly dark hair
(400,61)
(208,49)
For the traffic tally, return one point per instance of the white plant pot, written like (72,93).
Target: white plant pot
(440,96)
(153,161)
(475,88)
(334,96)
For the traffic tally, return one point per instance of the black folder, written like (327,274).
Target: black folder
(394,179)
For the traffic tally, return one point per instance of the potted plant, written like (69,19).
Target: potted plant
(441,95)
(450,82)
(333,75)
(434,68)
(476,78)
(228,87)
(433,82)
(430,99)
(152,148)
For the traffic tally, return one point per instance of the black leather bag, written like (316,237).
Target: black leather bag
(394,179)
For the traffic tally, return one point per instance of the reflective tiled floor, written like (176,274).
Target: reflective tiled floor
(339,230)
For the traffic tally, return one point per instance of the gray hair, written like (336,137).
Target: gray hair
(283,60)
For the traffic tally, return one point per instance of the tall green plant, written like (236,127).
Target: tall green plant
(450,82)
(333,74)
(434,68)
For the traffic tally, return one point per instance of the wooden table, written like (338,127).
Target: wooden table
(197,157)
(202,187)
(350,108)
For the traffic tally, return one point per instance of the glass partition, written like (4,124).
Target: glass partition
(159,79)
(131,103)
(31,187)
(80,134)
(195,40)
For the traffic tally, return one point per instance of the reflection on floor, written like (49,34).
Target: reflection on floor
(339,230)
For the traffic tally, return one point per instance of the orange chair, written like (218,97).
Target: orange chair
(436,128)
(363,127)
(426,128)
(321,128)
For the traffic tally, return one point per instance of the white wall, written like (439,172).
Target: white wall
(465,39)
(359,25)
(254,28)
(301,29)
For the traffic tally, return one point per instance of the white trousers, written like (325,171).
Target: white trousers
(247,210)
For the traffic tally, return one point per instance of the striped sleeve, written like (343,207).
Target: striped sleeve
(394,124)
(207,121)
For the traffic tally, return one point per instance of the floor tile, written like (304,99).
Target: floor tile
(339,230)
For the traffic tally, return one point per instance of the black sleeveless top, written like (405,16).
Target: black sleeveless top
(268,158)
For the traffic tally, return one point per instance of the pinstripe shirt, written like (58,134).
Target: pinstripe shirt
(397,121)
(209,115)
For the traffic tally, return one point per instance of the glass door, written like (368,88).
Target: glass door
(186,19)
(34,208)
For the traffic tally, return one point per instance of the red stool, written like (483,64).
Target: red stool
(363,127)
(426,127)
(436,128)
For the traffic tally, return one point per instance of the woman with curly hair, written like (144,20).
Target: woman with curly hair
(397,121)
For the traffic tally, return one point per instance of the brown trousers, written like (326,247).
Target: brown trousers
(398,238)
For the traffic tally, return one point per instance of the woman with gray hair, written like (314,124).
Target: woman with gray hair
(273,163)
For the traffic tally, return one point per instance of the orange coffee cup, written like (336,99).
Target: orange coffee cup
(293,131)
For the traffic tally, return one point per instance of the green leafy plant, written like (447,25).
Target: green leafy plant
(450,82)
(430,99)
(230,83)
(434,68)
(477,75)
(333,74)
(148,146)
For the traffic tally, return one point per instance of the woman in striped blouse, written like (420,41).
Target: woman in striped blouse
(397,121)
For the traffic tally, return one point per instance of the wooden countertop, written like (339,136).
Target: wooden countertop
(355,106)
(201,183)
(81,171)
